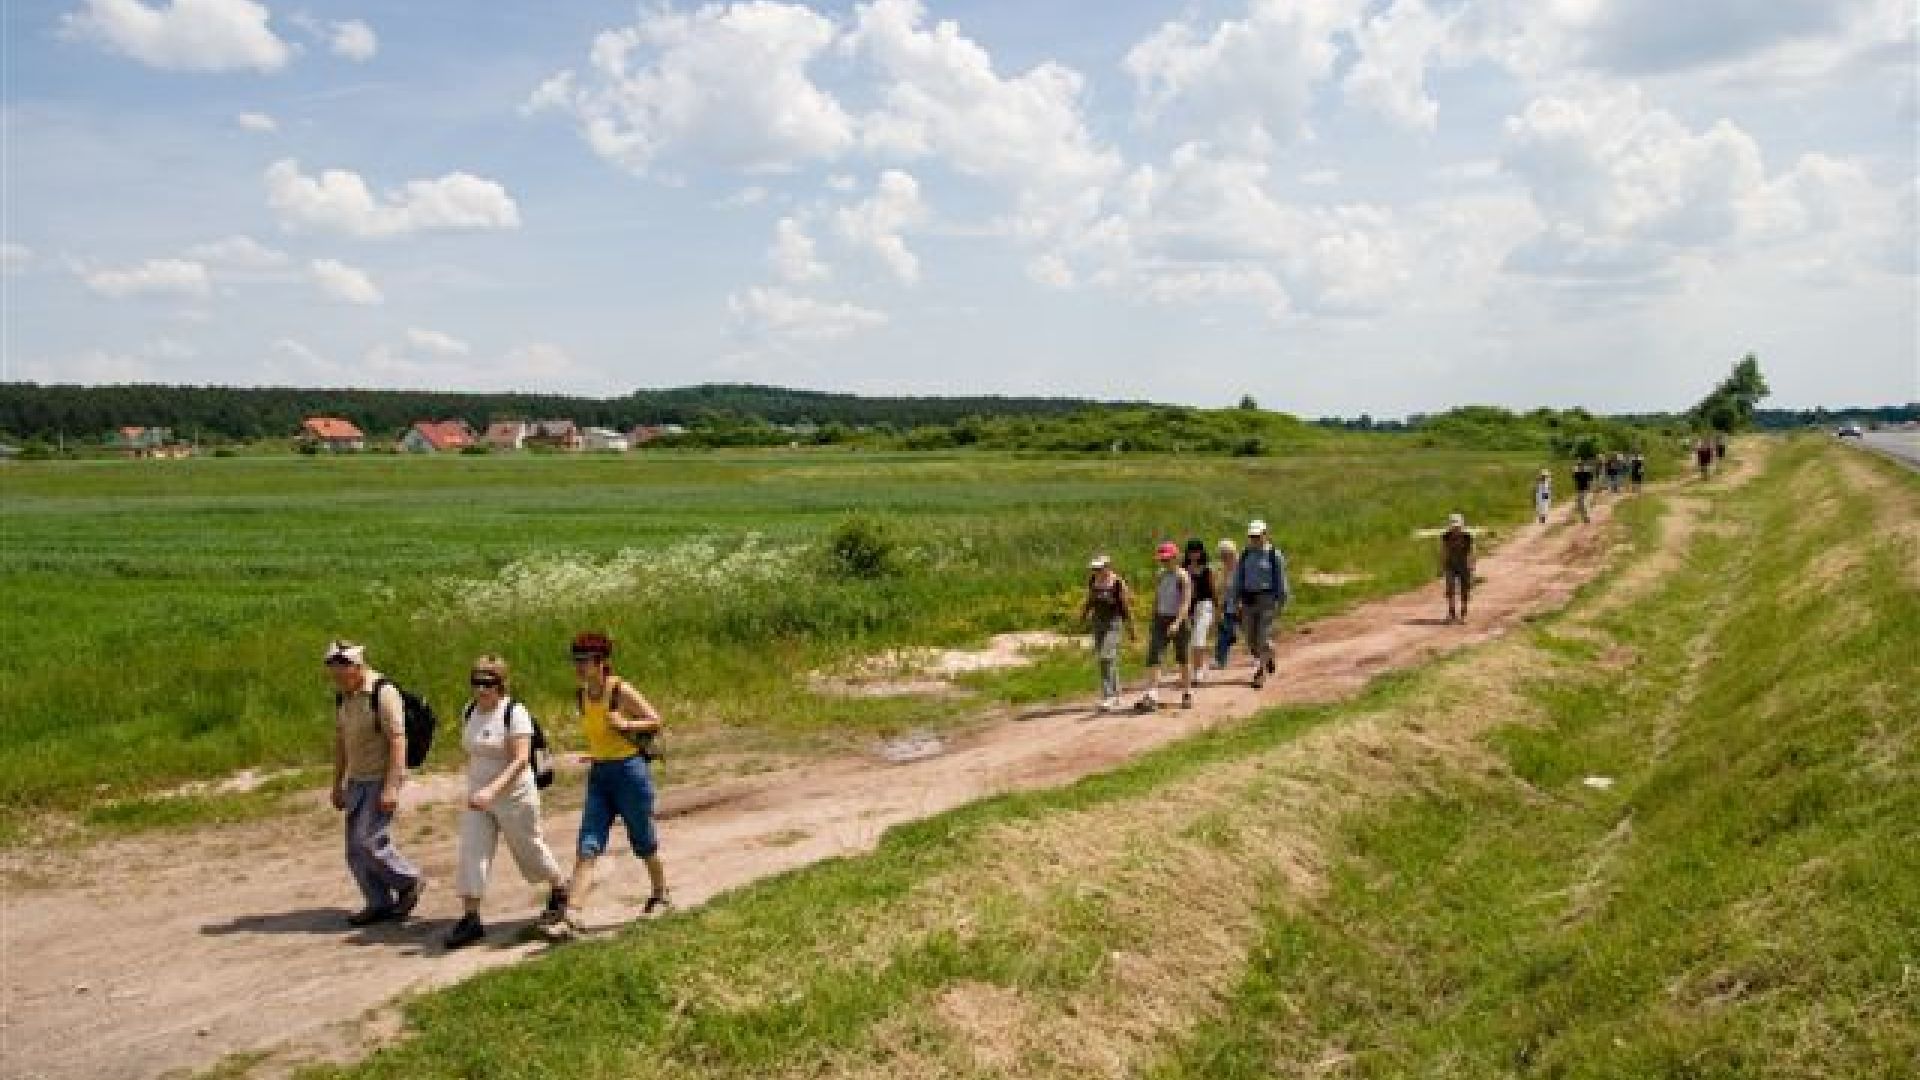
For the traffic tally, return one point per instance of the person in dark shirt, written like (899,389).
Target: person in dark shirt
(1637,469)
(1456,566)
(1583,489)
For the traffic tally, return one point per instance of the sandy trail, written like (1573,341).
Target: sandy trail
(137,957)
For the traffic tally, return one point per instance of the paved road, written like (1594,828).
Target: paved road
(1902,446)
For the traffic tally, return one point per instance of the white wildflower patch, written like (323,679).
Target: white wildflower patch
(562,581)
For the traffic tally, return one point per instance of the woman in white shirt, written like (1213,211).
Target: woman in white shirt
(503,799)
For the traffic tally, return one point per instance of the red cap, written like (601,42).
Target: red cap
(1168,550)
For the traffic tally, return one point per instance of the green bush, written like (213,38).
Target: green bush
(863,547)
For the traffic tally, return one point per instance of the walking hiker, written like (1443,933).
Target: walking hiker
(1637,469)
(1201,615)
(1226,628)
(1583,488)
(1108,611)
(620,727)
(1456,566)
(503,799)
(1543,495)
(1616,471)
(369,768)
(1720,450)
(1171,632)
(1703,457)
(1261,582)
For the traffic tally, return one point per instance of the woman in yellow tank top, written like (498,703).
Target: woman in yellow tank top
(619,724)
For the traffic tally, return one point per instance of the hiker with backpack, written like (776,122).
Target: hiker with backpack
(1172,631)
(1637,470)
(1108,611)
(504,779)
(621,729)
(1543,496)
(1260,580)
(372,721)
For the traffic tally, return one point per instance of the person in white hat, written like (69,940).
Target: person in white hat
(369,767)
(1456,565)
(1260,581)
(1108,611)
(1543,495)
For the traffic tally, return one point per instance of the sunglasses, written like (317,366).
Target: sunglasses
(484,682)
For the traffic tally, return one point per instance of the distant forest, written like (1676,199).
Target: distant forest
(32,411)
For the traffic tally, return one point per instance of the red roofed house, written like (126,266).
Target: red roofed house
(332,433)
(149,442)
(437,437)
(507,435)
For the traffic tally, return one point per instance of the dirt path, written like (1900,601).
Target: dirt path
(139,957)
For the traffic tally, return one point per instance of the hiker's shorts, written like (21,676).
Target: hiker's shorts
(1459,583)
(1200,625)
(622,789)
(1163,636)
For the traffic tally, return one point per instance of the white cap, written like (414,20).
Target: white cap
(1256,527)
(1100,562)
(1226,546)
(1458,521)
(345,652)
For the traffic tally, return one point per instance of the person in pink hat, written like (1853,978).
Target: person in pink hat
(1172,608)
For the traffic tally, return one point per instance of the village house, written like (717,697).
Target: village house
(149,442)
(595,438)
(437,437)
(647,433)
(507,435)
(554,435)
(332,434)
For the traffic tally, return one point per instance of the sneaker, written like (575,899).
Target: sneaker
(1147,704)
(659,903)
(370,916)
(465,932)
(556,908)
(1186,701)
(409,899)
(567,927)
(1270,666)
(1259,677)
(1107,705)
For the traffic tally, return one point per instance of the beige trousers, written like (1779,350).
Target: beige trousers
(516,816)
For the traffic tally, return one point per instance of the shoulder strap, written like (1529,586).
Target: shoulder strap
(373,699)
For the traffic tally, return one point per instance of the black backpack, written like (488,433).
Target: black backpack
(420,720)
(540,760)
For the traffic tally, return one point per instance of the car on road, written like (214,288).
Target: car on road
(1850,431)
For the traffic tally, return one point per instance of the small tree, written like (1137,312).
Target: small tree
(1247,404)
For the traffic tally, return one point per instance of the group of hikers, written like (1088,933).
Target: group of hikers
(1200,611)
(506,768)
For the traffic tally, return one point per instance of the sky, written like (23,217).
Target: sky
(1336,206)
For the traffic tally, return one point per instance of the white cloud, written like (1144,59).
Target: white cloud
(238,252)
(155,277)
(876,224)
(344,283)
(437,342)
(14,258)
(183,35)
(778,314)
(941,97)
(726,85)
(169,349)
(386,364)
(354,40)
(793,254)
(91,367)
(1389,78)
(257,122)
(338,200)
(1606,162)
(1246,83)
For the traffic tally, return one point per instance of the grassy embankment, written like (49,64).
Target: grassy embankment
(1417,884)
(166,616)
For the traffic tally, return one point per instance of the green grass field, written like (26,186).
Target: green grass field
(165,617)
(1418,883)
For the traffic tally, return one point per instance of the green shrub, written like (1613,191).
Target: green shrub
(863,547)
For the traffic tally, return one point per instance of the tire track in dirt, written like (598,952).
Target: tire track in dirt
(155,954)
